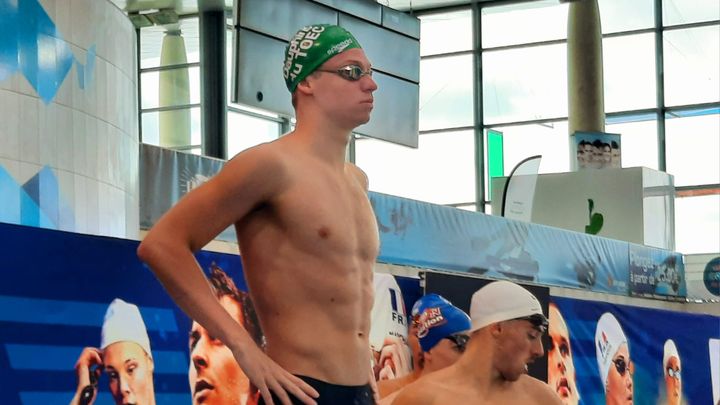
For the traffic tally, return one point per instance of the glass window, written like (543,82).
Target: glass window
(624,15)
(692,65)
(692,145)
(445,32)
(467,207)
(151,40)
(690,11)
(183,87)
(446,92)
(697,220)
(638,142)
(441,170)
(525,84)
(523,23)
(245,131)
(551,140)
(488,208)
(629,72)
(151,126)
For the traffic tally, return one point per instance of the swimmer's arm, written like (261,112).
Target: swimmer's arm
(245,182)
(250,179)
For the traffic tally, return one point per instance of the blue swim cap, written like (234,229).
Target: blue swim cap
(437,319)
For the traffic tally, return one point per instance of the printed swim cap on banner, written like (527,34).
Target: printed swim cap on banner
(311,47)
(123,323)
(609,336)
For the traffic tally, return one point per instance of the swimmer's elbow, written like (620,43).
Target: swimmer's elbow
(146,251)
(152,249)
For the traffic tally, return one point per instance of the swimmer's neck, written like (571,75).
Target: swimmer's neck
(328,144)
(479,369)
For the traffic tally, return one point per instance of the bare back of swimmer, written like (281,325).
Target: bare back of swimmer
(306,231)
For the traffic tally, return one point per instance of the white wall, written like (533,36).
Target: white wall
(88,137)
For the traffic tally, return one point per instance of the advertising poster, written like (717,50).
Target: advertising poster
(596,150)
(83,321)
(602,352)
(420,234)
(70,300)
(656,272)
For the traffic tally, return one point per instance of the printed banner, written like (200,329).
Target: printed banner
(69,299)
(432,236)
(602,351)
(519,190)
(655,272)
(66,295)
(596,150)
(392,354)
(166,176)
(420,234)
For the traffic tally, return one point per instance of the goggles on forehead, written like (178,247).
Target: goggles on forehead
(460,340)
(352,73)
(539,321)
(674,373)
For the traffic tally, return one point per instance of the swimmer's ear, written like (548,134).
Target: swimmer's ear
(496,329)
(304,87)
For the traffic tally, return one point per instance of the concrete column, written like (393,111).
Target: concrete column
(174,90)
(213,83)
(586,105)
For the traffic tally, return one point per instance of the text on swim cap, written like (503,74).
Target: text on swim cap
(302,41)
(337,48)
(430,318)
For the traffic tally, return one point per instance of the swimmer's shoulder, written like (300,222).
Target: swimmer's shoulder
(264,163)
(359,175)
(539,390)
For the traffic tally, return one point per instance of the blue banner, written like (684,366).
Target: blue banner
(670,355)
(55,292)
(58,292)
(420,234)
(656,272)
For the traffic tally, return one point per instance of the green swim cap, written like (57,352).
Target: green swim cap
(311,47)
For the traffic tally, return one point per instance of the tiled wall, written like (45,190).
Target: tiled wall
(70,156)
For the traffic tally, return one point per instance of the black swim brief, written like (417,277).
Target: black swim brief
(332,394)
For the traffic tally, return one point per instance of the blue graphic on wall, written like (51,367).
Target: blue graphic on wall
(38,202)
(30,42)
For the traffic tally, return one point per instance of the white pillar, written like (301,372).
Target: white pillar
(586,105)
(174,90)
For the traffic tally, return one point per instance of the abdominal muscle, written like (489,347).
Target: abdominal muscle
(314,306)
